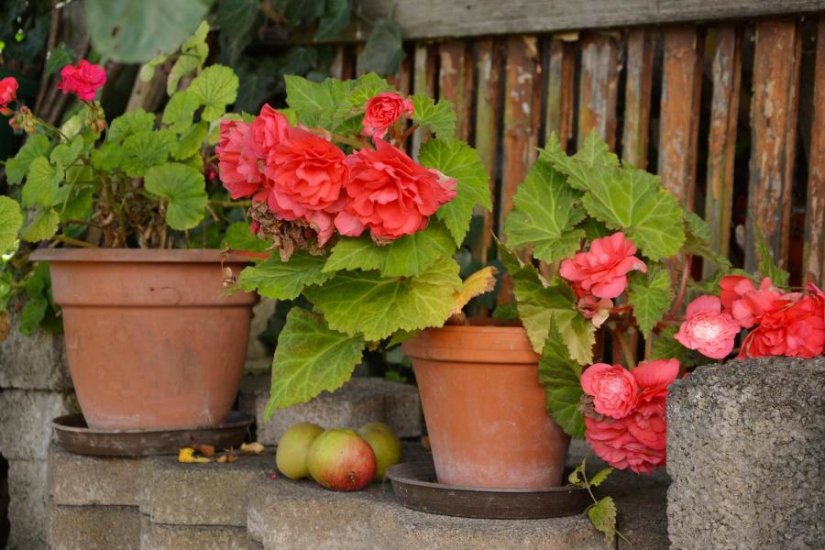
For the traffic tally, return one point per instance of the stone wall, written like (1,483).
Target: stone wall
(34,388)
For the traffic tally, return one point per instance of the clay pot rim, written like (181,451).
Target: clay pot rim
(501,345)
(137,255)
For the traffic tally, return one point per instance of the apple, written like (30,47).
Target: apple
(385,444)
(341,460)
(293,446)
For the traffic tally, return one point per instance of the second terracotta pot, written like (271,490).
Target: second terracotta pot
(485,410)
(152,339)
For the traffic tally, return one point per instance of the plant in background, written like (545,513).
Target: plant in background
(141,181)
(357,227)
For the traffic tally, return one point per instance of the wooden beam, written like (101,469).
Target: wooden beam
(561,67)
(641,45)
(598,87)
(815,211)
(773,138)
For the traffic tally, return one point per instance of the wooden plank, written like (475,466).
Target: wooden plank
(727,76)
(598,87)
(561,67)
(403,78)
(641,45)
(424,66)
(815,212)
(773,137)
(455,81)
(520,137)
(679,122)
(489,57)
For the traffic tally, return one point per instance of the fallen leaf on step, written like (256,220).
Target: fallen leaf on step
(227,458)
(251,448)
(205,450)
(187,456)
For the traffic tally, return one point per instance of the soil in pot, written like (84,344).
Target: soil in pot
(153,340)
(485,410)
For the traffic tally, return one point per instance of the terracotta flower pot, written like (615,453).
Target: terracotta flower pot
(153,341)
(485,410)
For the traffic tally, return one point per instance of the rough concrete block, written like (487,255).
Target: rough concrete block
(87,480)
(94,528)
(25,421)
(34,362)
(201,494)
(154,536)
(746,455)
(359,401)
(287,514)
(27,504)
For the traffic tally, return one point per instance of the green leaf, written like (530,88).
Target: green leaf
(309,359)
(17,167)
(11,220)
(366,303)
(134,32)
(439,117)
(216,87)
(145,150)
(180,110)
(42,184)
(78,203)
(317,103)
(58,58)
(603,517)
(575,476)
(460,161)
(697,241)
(384,50)
(33,312)
(281,280)
(539,305)
(147,70)
(66,153)
(600,477)
(560,377)
(191,142)
(239,237)
(545,213)
(767,266)
(650,295)
(665,346)
(407,256)
(43,226)
(236,19)
(335,19)
(129,124)
(593,161)
(193,54)
(183,188)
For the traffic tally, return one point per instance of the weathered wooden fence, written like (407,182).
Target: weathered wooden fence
(725,100)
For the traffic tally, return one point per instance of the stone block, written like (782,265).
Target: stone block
(25,421)
(94,528)
(78,480)
(287,514)
(361,400)
(35,362)
(746,455)
(27,504)
(200,494)
(154,536)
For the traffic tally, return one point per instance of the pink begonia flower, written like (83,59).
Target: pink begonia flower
(613,442)
(83,80)
(390,194)
(8,93)
(613,388)
(383,111)
(602,270)
(595,309)
(797,330)
(745,303)
(707,329)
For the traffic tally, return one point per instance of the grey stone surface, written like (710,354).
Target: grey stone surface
(200,494)
(25,421)
(33,362)
(746,453)
(156,536)
(27,504)
(359,401)
(287,514)
(94,528)
(87,480)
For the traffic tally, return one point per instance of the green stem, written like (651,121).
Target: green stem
(230,204)
(629,355)
(75,242)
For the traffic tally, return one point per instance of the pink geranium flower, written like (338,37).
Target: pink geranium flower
(8,93)
(602,270)
(383,111)
(83,80)
(707,329)
(613,388)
